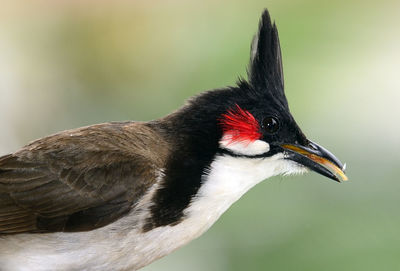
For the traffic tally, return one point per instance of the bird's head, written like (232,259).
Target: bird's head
(252,119)
(258,123)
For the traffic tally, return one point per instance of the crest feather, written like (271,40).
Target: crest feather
(265,71)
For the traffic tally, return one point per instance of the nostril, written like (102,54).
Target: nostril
(312,145)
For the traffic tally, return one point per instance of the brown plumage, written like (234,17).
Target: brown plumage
(78,179)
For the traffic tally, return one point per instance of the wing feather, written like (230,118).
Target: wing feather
(78,180)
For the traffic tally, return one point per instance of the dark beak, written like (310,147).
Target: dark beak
(317,159)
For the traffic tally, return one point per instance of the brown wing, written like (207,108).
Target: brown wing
(78,180)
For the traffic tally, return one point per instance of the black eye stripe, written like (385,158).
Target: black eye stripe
(271,125)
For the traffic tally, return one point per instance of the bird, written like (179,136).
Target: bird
(120,195)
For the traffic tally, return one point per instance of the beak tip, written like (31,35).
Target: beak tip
(336,179)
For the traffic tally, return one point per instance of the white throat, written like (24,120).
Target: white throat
(230,177)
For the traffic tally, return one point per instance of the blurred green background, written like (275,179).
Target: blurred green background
(65,64)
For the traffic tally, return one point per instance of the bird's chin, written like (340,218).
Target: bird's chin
(293,168)
(279,165)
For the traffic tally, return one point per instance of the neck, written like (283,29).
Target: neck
(192,152)
(227,180)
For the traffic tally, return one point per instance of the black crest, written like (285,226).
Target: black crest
(265,71)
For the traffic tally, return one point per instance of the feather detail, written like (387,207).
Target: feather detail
(240,125)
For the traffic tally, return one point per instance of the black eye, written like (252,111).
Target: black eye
(271,124)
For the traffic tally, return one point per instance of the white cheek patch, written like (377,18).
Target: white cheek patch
(244,147)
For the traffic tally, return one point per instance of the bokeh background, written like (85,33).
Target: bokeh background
(65,64)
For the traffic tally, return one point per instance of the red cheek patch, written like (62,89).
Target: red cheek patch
(240,125)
